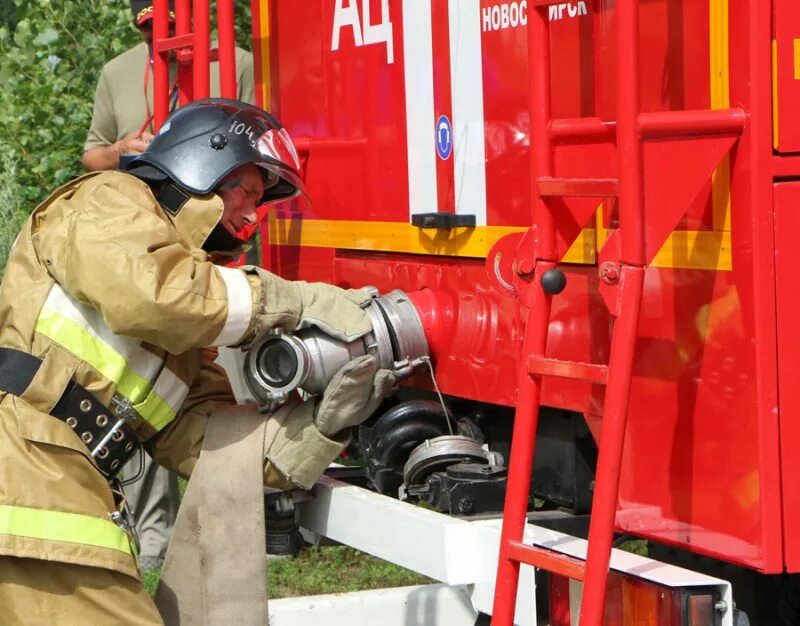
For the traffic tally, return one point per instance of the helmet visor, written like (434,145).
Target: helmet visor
(280,183)
(281,166)
(277,145)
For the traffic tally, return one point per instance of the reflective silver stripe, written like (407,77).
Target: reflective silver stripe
(466,77)
(240,307)
(163,402)
(420,118)
(171,389)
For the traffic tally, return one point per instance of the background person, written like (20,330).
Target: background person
(123,103)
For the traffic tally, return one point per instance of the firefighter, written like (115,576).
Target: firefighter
(108,306)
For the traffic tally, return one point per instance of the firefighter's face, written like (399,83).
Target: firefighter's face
(241,192)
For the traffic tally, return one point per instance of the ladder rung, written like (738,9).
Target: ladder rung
(578,187)
(547,560)
(185,55)
(654,125)
(590,372)
(687,123)
(178,42)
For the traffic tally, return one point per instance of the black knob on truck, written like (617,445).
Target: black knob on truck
(554,281)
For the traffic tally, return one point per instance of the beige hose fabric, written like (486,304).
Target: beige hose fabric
(215,569)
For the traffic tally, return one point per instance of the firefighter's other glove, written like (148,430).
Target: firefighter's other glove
(294,305)
(353,394)
(304,438)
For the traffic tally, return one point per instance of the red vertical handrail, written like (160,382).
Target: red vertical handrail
(610,447)
(183,26)
(629,131)
(202,45)
(160,64)
(541,144)
(526,416)
(629,144)
(227,49)
(623,342)
(520,466)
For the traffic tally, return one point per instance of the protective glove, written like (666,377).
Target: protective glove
(352,396)
(297,305)
(312,434)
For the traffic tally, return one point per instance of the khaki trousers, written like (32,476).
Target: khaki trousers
(39,593)
(153,500)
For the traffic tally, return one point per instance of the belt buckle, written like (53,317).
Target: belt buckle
(125,412)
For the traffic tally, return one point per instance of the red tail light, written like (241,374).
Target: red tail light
(632,601)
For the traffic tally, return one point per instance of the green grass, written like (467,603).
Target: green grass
(334,569)
(636,546)
(150,580)
(321,570)
(340,569)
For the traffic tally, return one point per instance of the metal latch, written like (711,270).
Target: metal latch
(443,220)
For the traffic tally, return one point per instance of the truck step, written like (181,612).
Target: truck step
(546,559)
(590,372)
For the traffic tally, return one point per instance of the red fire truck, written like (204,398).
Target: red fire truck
(591,205)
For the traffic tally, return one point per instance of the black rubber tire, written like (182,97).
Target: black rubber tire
(388,439)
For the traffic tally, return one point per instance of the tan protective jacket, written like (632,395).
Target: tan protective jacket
(114,293)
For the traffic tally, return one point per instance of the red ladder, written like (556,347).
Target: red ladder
(636,244)
(193,51)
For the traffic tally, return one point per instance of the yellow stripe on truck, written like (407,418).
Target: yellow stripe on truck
(719,73)
(706,250)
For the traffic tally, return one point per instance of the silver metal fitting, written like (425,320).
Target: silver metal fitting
(437,453)
(123,408)
(280,362)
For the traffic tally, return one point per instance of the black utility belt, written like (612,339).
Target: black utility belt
(105,432)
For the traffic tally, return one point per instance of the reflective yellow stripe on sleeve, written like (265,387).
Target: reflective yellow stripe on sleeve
(22,521)
(93,350)
(110,364)
(120,359)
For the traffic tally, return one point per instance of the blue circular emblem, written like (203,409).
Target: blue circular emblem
(444,137)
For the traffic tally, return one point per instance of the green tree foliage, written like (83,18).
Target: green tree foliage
(51,53)
(12,213)
(8,14)
(49,66)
